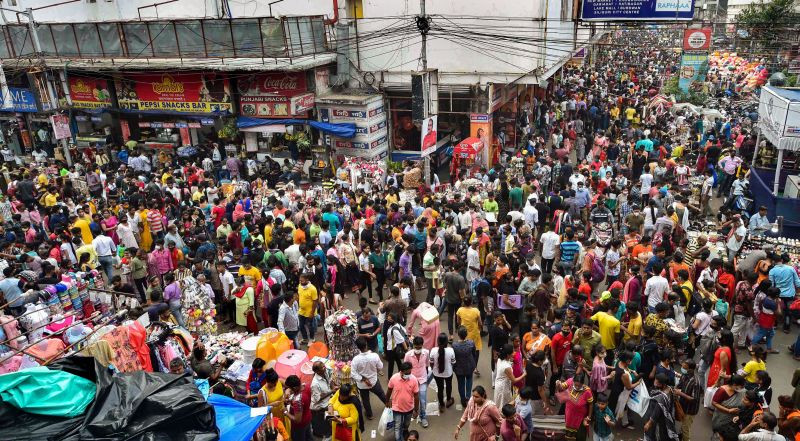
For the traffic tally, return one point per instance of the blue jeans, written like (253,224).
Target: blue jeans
(310,323)
(107,263)
(401,422)
(764,333)
(293,337)
(423,399)
(175,309)
(464,387)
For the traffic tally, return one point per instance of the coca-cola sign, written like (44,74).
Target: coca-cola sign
(270,95)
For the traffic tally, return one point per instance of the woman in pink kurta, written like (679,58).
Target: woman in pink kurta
(483,416)
(578,401)
(428,331)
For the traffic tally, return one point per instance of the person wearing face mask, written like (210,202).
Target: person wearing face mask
(660,416)
(483,416)
(364,370)
(419,358)
(403,398)
(578,404)
(726,402)
(348,421)
(321,393)
(690,396)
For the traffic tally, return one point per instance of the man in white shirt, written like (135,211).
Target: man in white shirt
(464,220)
(646,180)
(736,237)
(575,178)
(550,241)
(364,370)
(105,249)
(656,288)
(473,262)
(201,279)
(765,425)
(228,285)
(531,213)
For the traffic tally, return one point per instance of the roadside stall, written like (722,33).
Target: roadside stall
(90,99)
(465,154)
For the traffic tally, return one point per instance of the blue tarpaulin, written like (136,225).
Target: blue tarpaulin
(342,130)
(233,419)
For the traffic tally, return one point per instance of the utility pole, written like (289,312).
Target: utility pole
(424,32)
(423,24)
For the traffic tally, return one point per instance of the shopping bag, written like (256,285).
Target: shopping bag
(432,408)
(386,423)
(622,402)
(343,433)
(548,428)
(708,397)
(639,399)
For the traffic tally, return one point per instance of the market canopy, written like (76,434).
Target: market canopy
(341,130)
(779,117)
(468,148)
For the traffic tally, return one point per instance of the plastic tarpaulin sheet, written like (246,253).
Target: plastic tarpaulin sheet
(233,419)
(138,406)
(342,130)
(43,391)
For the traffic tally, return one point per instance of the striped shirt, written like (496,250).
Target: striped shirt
(154,219)
(569,250)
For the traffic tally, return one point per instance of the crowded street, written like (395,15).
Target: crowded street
(598,245)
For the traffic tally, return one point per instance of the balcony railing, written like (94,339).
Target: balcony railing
(264,37)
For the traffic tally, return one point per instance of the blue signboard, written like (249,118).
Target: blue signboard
(626,10)
(22,100)
(694,67)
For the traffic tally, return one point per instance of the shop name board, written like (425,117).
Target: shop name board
(344,114)
(180,93)
(86,118)
(696,39)
(89,93)
(275,95)
(361,145)
(479,117)
(366,130)
(625,10)
(22,100)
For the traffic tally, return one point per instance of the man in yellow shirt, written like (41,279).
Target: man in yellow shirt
(609,326)
(80,223)
(51,197)
(250,273)
(87,248)
(307,300)
(268,231)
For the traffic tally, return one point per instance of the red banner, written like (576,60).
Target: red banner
(187,93)
(270,95)
(89,93)
(697,39)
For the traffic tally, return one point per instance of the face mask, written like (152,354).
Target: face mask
(417,351)
(683,371)
(406,376)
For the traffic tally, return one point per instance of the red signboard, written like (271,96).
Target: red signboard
(270,95)
(89,93)
(186,93)
(697,39)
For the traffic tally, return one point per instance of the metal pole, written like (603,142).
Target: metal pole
(755,151)
(8,103)
(426,161)
(424,41)
(777,173)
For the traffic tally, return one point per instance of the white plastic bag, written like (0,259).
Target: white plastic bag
(708,397)
(386,423)
(639,399)
(432,408)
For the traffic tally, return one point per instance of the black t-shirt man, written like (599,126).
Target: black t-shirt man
(534,379)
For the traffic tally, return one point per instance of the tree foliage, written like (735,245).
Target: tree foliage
(768,22)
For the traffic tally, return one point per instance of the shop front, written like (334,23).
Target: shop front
(15,129)
(367,112)
(277,96)
(91,102)
(167,111)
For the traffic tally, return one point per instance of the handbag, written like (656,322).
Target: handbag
(679,412)
(343,433)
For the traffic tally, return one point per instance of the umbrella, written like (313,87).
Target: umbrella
(469,147)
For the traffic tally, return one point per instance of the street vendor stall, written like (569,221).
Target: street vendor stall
(465,153)
(779,124)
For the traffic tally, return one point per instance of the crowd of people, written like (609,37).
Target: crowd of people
(583,291)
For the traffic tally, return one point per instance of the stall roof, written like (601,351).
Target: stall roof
(219,64)
(789,94)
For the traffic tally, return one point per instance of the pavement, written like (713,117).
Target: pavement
(781,367)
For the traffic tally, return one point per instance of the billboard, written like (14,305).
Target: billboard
(88,93)
(697,39)
(181,93)
(694,67)
(428,135)
(629,10)
(275,95)
(22,100)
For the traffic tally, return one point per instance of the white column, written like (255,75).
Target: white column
(777,173)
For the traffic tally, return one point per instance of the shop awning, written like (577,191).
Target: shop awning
(341,130)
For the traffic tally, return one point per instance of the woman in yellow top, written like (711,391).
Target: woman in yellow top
(144,229)
(469,317)
(758,362)
(343,405)
(272,395)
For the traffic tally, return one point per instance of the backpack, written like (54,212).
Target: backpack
(473,287)
(598,270)
(721,307)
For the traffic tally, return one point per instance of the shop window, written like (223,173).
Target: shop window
(272,36)
(218,38)
(246,37)
(109,35)
(46,40)
(137,39)
(356,8)
(20,40)
(65,40)
(190,38)
(88,40)
(163,35)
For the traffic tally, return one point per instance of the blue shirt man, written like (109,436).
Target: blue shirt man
(11,291)
(785,278)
